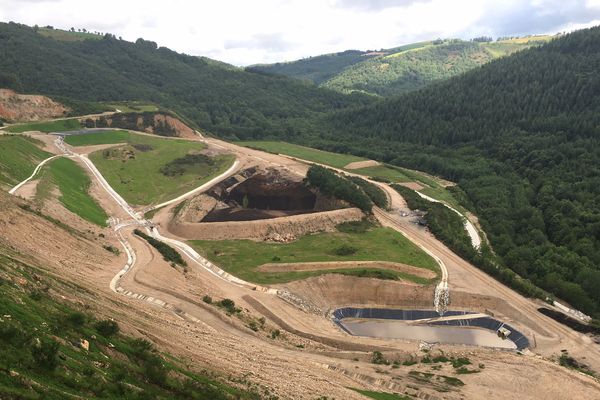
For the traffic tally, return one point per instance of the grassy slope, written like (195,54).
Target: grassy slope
(128,372)
(306,153)
(412,67)
(74,183)
(381,395)
(139,180)
(68,36)
(241,257)
(18,157)
(47,126)
(107,137)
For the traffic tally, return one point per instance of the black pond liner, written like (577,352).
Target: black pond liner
(488,323)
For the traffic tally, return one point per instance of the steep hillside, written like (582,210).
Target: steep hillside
(219,99)
(401,69)
(316,69)
(520,135)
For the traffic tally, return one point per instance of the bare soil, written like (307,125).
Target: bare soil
(362,164)
(16,107)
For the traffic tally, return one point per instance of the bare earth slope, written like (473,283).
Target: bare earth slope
(16,107)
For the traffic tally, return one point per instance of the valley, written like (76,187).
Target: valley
(289,300)
(176,227)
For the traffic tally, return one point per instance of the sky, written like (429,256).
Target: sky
(245,32)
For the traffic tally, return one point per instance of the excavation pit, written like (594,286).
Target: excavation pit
(264,195)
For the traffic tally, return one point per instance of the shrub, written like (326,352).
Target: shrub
(375,193)
(275,334)
(331,184)
(44,354)
(168,253)
(345,250)
(107,327)
(229,306)
(207,299)
(76,319)
(377,358)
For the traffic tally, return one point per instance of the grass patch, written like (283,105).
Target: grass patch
(74,184)
(306,153)
(138,174)
(242,257)
(68,36)
(445,196)
(133,106)
(380,395)
(19,156)
(91,139)
(47,126)
(383,172)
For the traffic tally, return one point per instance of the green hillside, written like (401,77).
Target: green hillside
(401,69)
(218,98)
(42,352)
(520,136)
(315,69)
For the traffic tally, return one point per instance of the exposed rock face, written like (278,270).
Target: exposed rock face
(16,107)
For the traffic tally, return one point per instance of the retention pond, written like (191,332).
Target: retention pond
(457,327)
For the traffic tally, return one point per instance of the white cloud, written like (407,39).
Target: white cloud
(245,32)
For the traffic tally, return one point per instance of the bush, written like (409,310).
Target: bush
(76,319)
(375,193)
(107,327)
(377,358)
(168,253)
(207,299)
(44,354)
(275,334)
(331,184)
(345,250)
(229,306)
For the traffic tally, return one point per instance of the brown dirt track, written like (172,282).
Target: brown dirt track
(325,366)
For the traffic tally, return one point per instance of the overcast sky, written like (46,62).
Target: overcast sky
(244,32)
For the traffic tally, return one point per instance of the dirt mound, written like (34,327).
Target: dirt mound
(16,107)
(362,164)
(270,229)
(319,266)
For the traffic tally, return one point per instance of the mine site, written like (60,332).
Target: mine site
(144,255)
(274,271)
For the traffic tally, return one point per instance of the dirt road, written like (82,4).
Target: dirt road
(190,327)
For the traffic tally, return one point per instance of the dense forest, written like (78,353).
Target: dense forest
(316,69)
(521,137)
(399,70)
(217,97)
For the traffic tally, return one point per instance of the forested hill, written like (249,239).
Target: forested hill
(219,98)
(402,69)
(316,69)
(521,135)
